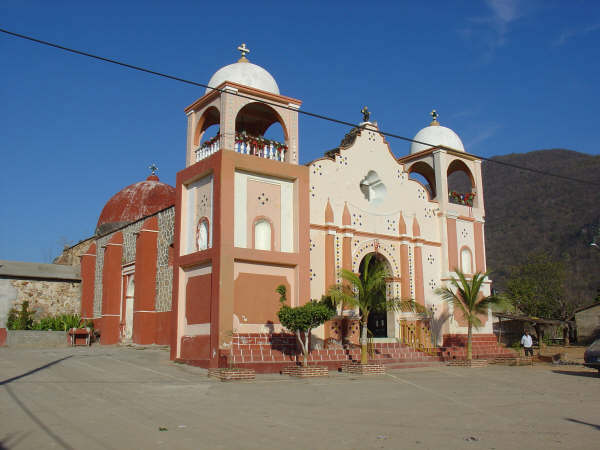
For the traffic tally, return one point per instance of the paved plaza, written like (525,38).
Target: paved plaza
(128,398)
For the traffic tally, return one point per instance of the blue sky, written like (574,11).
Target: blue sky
(507,76)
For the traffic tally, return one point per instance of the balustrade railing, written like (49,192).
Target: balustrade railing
(257,146)
(461,198)
(247,145)
(417,334)
(209,147)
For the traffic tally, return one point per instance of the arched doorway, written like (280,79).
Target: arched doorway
(129,298)
(378,320)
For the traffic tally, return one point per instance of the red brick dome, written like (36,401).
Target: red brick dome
(134,202)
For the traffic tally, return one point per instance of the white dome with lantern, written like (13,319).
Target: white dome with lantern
(436,135)
(246,73)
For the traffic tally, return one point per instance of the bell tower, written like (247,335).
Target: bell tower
(452,177)
(241,221)
(245,102)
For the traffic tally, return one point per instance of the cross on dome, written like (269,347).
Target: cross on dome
(153,168)
(242,48)
(434,116)
(366,113)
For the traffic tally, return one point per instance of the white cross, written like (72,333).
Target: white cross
(242,48)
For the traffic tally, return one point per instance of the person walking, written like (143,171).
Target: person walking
(527,343)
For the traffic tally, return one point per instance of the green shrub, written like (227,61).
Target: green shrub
(62,322)
(20,319)
(70,321)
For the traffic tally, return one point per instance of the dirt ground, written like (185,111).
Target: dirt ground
(572,353)
(124,398)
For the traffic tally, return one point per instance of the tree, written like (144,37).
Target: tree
(367,293)
(302,319)
(537,288)
(466,296)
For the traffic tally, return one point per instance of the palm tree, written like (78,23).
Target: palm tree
(466,295)
(367,292)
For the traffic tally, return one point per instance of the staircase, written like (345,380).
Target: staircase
(267,353)
(484,346)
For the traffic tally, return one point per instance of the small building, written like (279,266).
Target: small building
(587,322)
(50,289)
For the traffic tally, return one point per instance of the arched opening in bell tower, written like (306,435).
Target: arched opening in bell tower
(461,184)
(206,135)
(424,174)
(260,131)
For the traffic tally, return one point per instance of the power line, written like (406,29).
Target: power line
(306,113)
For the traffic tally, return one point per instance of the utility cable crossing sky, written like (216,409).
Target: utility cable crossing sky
(306,113)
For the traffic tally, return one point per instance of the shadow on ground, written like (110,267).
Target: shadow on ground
(597,427)
(31,372)
(577,373)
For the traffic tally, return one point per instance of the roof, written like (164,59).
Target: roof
(20,269)
(134,202)
(529,319)
(244,73)
(593,305)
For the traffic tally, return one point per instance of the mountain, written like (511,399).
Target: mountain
(529,213)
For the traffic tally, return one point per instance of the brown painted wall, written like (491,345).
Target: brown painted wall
(145,266)
(196,348)
(256,299)
(163,327)
(198,299)
(144,320)
(452,245)
(88,272)
(144,327)
(111,290)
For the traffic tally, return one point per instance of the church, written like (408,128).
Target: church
(196,266)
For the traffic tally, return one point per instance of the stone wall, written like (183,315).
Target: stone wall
(164,270)
(36,339)
(46,297)
(71,255)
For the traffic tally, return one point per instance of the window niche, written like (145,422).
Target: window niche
(466,261)
(373,188)
(262,235)
(202,234)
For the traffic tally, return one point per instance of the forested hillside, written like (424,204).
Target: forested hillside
(528,213)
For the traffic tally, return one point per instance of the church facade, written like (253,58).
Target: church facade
(196,266)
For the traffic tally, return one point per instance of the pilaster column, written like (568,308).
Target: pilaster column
(479,247)
(419,289)
(229,112)
(144,315)
(111,291)
(88,279)
(404,269)
(452,243)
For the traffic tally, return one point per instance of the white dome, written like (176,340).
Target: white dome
(246,73)
(436,135)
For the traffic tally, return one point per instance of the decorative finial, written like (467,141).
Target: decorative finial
(366,113)
(153,168)
(242,48)
(434,115)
